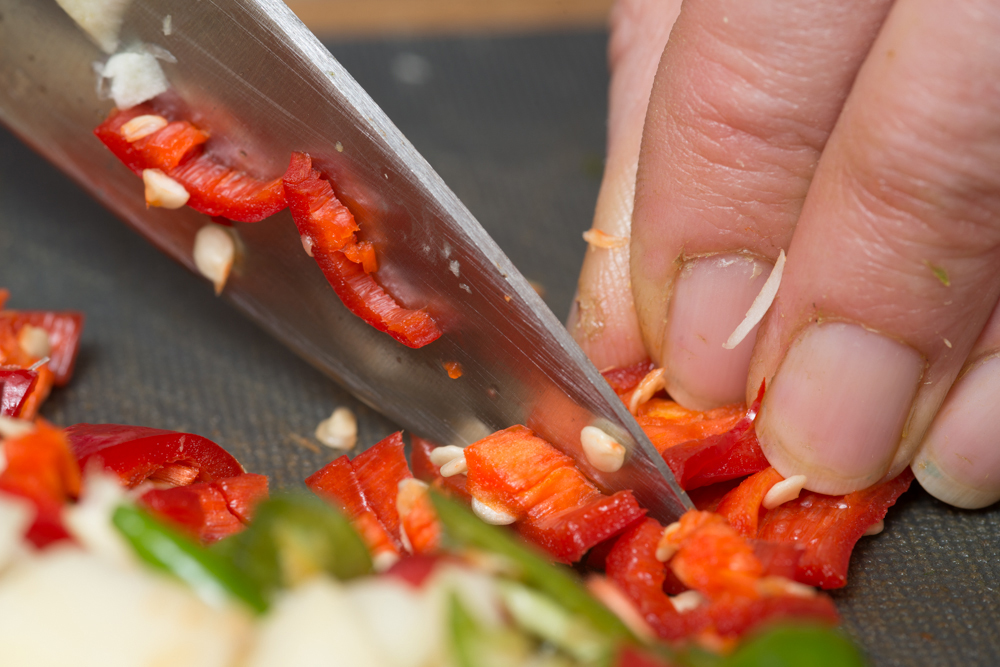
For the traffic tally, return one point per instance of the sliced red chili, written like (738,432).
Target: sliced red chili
(328,228)
(15,386)
(626,378)
(742,505)
(199,509)
(718,458)
(556,506)
(418,519)
(243,493)
(828,527)
(337,483)
(64,330)
(379,471)
(214,188)
(135,453)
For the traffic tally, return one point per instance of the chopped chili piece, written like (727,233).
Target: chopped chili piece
(64,330)
(337,483)
(556,506)
(418,519)
(668,424)
(828,527)
(626,378)
(379,471)
(15,386)
(328,228)
(453,368)
(135,453)
(198,509)
(243,493)
(721,457)
(178,150)
(741,506)
(415,569)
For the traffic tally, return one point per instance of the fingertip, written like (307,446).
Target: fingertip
(959,459)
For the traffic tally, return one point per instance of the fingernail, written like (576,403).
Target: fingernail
(959,460)
(710,299)
(836,408)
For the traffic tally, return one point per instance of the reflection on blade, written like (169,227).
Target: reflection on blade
(264,86)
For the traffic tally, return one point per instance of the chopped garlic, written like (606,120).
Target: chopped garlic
(457,466)
(875,528)
(602,451)
(101,19)
(142,126)
(648,386)
(687,601)
(492,516)
(163,191)
(784,491)
(339,430)
(665,548)
(442,455)
(34,341)
(598,239)
(15,428)
(759,305)
(214,253)
(135,78)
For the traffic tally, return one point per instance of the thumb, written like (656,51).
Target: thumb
(603,319)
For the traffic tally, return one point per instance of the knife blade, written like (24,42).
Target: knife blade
(264,86)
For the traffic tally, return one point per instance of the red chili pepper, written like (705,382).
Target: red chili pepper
(137,453)
(214,189)
(337,483)
(828,527)
(718,458)
(415,569)
(557,507)
(15,386)
(329,229)
(742,506)
(626,378)
(379,471)
(418,519)
(209,511)
(64,330)
(42,469)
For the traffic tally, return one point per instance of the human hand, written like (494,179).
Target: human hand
(863,138)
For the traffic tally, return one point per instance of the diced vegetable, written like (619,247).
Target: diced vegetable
(15,387)
(136,453)
(742,505)
(330,227)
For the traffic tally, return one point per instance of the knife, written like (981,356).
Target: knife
(265,86)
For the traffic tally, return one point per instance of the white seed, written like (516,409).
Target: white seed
(875,528)
(34,341)
(442,455)
(339,430)
(142,126)
(784,491)
(457,466)
(652,383)
(492,516)
(665,549)
(307,244)
(163,191)
(214,253)
(15,428)
(687,601)
(598,239)
(602,451)
(409,492)
(782,586)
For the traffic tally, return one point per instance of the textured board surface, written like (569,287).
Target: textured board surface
(516,128)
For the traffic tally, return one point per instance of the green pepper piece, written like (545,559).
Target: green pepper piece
(293,538)
(211,577)
(793,645)
(465,529)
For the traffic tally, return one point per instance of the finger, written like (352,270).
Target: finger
(959,460)
(603,317)
(892,272)
(744,101)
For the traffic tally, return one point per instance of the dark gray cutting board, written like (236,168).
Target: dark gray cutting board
(516,127)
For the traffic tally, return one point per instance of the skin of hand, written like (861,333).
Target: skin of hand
(862,138)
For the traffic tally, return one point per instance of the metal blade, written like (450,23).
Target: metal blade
(265,86)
